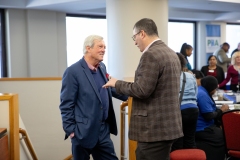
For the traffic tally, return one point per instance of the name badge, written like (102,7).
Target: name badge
(211,71)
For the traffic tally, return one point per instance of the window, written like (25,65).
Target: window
(78,28)
(179,33)
(232,36)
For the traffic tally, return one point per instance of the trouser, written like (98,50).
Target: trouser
(103,150)
(189,123)
(153,150)
(211,140)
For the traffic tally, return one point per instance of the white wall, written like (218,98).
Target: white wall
(36,43)
(39,109)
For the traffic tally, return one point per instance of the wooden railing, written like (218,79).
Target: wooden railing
(13,110)
(32,79)
(132,144)
(28,143)
(68,157)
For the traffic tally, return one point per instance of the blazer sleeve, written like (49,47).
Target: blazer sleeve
(68,98)
(118,96)
(146,78)
(113,90)
(223,58)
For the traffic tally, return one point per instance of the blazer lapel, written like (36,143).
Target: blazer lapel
(103,72)
(89,76)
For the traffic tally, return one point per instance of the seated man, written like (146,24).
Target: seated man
(209,137)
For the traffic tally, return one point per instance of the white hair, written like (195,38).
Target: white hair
(234,57)
(89,41)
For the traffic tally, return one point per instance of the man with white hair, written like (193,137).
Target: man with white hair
(86,108)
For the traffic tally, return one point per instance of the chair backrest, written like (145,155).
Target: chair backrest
(231,129)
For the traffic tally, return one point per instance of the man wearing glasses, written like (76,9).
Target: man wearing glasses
(156,117)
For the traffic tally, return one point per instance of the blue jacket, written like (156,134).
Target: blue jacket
(205,105)
(190,91)
(81,105)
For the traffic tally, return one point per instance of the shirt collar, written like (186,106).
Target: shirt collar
(150,45)
(93,68)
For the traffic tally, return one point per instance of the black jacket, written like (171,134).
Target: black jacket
(220,73)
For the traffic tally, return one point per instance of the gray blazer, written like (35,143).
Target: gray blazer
(222,59)
(156,113)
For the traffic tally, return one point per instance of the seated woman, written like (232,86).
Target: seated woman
(212,69)
(233,73)
(209,137)
(198,75)
(189,109)
(186,51)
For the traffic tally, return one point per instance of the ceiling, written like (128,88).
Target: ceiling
(197,10)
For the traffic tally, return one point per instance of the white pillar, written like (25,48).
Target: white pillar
(123,55)
(121,16)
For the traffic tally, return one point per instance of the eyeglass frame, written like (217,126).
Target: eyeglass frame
(134,36)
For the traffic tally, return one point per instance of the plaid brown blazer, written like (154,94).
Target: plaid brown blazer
(156,114)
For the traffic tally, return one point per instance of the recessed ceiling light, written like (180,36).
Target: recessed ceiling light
(229,1)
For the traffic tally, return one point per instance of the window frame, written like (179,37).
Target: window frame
(170,20)
(194,39)
(3,54)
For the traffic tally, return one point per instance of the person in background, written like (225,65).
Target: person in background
(209,136)
(222,58)
(235,50)
(212,69)
(186,50)
(87,111)
(155,118)
(189,109)
(233,73)
(198,75)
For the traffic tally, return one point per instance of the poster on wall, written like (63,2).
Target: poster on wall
(213,39)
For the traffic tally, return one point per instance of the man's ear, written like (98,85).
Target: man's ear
(88,48)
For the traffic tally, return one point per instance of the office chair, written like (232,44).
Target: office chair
(188,154)
(231,131)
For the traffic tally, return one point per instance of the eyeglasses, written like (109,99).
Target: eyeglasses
(134,36)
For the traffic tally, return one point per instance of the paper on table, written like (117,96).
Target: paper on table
(224,102)
(231,106)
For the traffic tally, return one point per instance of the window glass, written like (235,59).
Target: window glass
(232,37)
(78,28)
(179,33)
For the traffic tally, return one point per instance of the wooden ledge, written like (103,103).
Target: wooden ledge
(31,79)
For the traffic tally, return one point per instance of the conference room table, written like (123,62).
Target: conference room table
(228,97)
(231,99)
